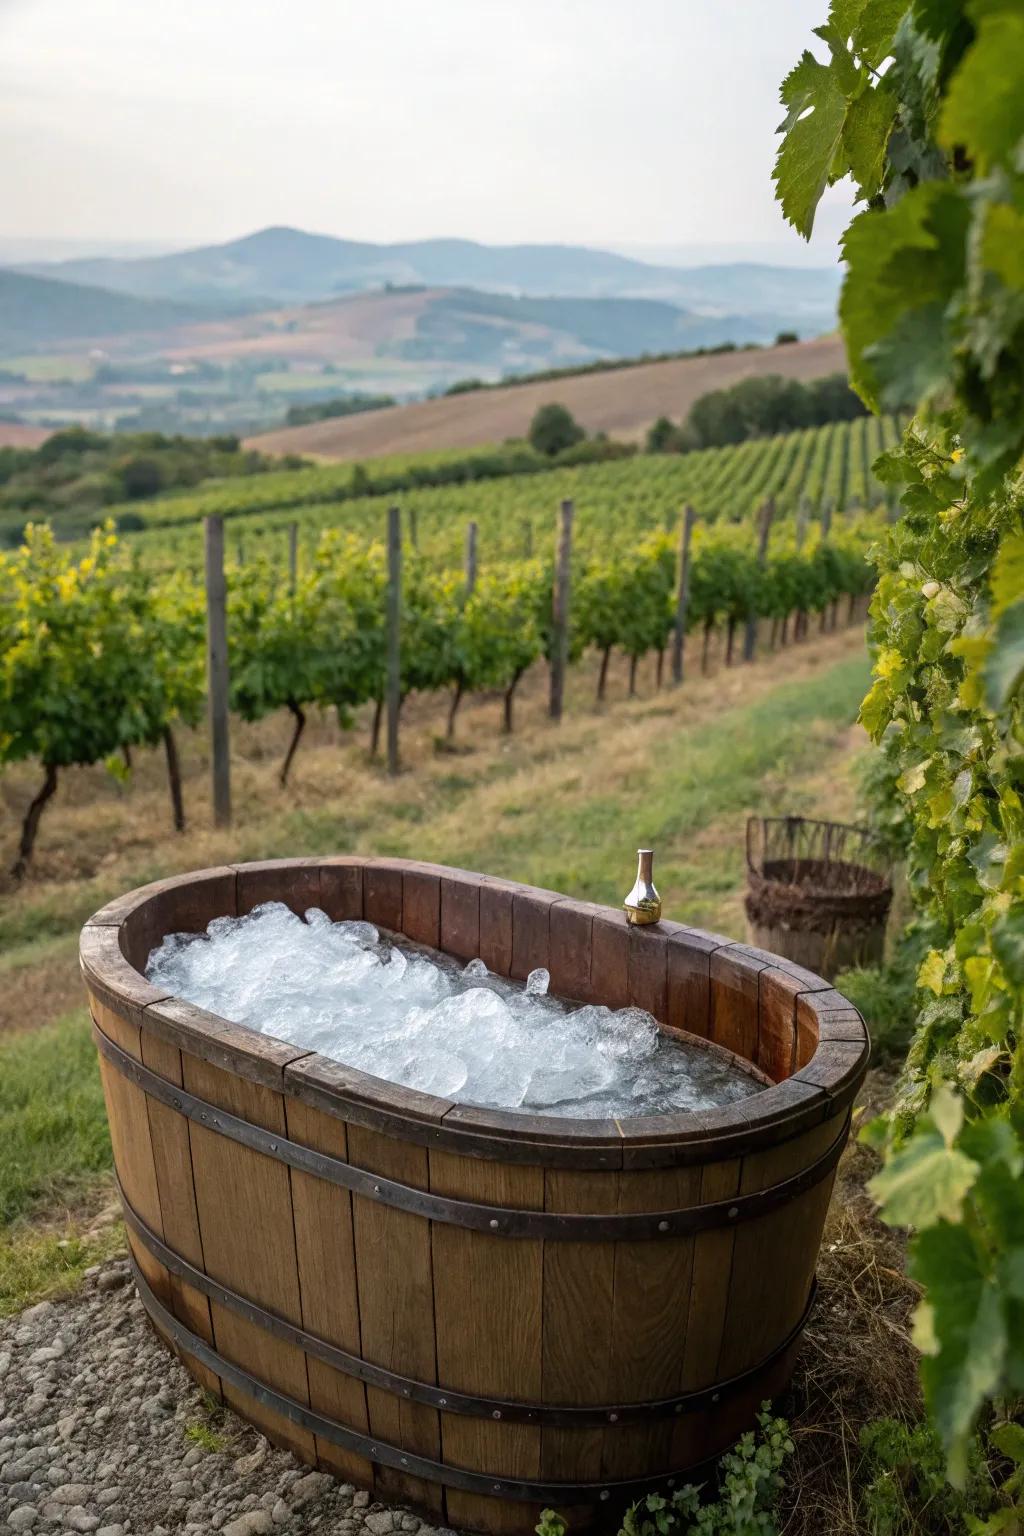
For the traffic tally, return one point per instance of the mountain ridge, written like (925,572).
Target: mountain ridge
(282,264)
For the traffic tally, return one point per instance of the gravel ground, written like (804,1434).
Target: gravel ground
(102,1431)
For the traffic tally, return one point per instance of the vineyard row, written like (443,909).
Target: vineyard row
(619,500)
(99,653)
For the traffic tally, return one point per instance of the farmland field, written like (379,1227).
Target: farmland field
(623,403)
(19,434)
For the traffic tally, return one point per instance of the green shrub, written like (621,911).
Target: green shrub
(554,429)
(749,1482)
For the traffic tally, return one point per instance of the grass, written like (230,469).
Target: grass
(857,1362)
(683,791)
(211,1431)
(36,1265)
(55,1169)
(69,368)
(52,1123)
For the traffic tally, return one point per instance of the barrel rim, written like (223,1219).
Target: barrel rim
(821,1088)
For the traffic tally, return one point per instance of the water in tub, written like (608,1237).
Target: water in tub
(418,1018)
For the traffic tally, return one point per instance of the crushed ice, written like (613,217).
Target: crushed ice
(421,1019)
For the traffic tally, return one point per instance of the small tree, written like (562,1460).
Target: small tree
(662,436)
(553,429)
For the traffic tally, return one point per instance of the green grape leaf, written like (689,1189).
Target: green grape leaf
(869,120)
(968,1325)
(984,109)
(1004,666)
(869,24)
(1009,1439)
(1007,941)
(924,1182)
(905,263)
(876,710)
(1007,578)
(875,32)
(813,129)
(1002,245)
(947,1111)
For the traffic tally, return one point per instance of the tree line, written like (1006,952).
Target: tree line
(757,407)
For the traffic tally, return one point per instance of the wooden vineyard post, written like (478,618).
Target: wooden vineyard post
(766,516)
(217,679)
(293,557)
(803,517)
(826,529)
(560,610)
(682,594)
(394,621)
(471,558)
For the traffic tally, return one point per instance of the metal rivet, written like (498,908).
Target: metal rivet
(605,1493)
(273,1146)
(442,1402)
(671,1482)
(406,1392)
(613,1418)
(176,1103)
(376,1189)
(405,1461)
(734,1210)
(496,1487)
(679,1407)
(716,1397)
(496,1414)
(494,1225)
(662,1226)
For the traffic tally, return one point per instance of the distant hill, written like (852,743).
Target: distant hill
(623,403)
(468,325)
(36,312)
(442,333)
(290,266)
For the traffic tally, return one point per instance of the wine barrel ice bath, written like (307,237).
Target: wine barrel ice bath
(479,1312)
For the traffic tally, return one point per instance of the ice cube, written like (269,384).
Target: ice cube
(420,1020)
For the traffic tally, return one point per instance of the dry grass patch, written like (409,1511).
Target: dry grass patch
(857,1362)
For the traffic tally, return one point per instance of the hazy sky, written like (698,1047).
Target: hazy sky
(605,122)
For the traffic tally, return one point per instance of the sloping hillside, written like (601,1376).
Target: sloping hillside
(622,402)
(447,333)
(37,312)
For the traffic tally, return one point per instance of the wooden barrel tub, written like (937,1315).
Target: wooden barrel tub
(478,1312)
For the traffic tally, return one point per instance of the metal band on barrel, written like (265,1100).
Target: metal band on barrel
(496,1220)
(386,1455)
(584,1416)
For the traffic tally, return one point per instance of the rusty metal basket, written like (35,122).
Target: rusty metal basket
(818,892)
